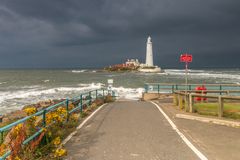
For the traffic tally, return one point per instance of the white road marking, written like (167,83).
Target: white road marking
(82,124)
(188,143)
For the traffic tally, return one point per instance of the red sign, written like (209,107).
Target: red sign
(186,58)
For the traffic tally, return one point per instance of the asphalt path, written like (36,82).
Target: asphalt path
(129,130)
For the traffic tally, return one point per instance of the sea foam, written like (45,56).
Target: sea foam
(12,100)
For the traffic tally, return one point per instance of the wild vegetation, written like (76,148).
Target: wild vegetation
(47,145)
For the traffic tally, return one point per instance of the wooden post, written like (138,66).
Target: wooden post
(202,97)
(175,99)
(190,100)
(180,101)
(186,104)
(220,106)
(228,92)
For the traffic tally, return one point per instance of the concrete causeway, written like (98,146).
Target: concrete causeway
(127,131)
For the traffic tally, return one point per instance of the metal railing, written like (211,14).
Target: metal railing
(82,99)
(170,87)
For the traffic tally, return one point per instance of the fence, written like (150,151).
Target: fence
(186,99)
(170,88)
(82,99)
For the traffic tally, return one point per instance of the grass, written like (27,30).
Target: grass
(230,110)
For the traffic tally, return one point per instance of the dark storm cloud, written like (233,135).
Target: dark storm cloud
(94,33)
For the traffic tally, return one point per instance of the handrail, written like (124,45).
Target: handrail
(43,113)
(183,84)
(170,87)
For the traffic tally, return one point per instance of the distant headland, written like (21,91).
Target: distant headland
(135,65)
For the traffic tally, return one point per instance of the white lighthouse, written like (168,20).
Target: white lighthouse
(149,52)
(148,66)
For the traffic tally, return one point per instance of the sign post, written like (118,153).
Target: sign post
(110,84)
(187,58)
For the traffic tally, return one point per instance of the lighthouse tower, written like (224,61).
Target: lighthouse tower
(148,67)
(149,53)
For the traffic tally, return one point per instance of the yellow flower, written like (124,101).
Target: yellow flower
(60,152)
(2,149)
(44,129)
(18,128)
(75,117)
(30,111)
(62,111)
(49,133)
(57,141)
(17,158)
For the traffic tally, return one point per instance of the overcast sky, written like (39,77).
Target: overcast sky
(97,33)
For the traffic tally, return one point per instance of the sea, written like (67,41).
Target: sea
(23,87)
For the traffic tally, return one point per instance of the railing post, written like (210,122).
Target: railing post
(1,137)
(44,118)
(220,106)
(67,108)
(158,88)
(172,88)
(176,87)
(44,125)
(1,133)
(220,87)
(113,94)
(90,98)
(81,103)
(146,88)
(96,93)
(103,93)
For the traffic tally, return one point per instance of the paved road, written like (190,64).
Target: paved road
(128,131)
(216,141)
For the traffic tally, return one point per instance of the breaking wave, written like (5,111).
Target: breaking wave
(13,100)
(79,71)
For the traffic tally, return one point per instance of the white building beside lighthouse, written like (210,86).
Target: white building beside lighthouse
(149,66)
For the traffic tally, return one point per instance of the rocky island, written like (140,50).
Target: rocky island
(135,65)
